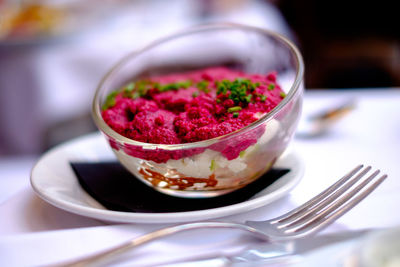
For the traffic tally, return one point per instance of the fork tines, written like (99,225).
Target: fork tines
(332,203)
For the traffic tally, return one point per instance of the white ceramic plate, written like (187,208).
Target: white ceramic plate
(53,179)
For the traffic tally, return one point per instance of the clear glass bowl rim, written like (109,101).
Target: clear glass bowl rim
(96,111)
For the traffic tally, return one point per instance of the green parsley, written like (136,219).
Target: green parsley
(212,165)
(222,86)
(203,86)
(127,90)
(234,109)
(173,86)
(235,114)
(240,90)
(110,101)
(282,94)
(168,87)
(263,98)
(129,87)
(195,94)
(271,86)
(185,84)
(241,153)
(248,98)
(139,89)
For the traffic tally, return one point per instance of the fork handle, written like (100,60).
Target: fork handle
(107,255)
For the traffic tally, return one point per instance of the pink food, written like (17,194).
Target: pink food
(190,107)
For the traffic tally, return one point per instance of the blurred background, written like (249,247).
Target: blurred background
(54,53)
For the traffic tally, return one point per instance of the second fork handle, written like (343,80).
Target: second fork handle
(108,255)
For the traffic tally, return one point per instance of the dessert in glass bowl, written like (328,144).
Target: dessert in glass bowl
(203,112)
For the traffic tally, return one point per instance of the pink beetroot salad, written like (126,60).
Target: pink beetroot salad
(191,106)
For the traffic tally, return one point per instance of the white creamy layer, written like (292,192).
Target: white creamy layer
(204,164)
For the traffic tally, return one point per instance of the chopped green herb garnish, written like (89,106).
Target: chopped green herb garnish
(252,87)
(282,94)
(263,98)
(168,87)
(142,87)
(184,84)
(240,90)
(203,86)
(110,100)
(248,98)
(212,165)
(173,86)
(241,153)
(135,95)
(127,90)
(271,86)
(233,109)
(130,87)
(221,88)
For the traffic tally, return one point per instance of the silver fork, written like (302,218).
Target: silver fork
(305,220)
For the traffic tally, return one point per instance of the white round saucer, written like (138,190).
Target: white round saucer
(53,179)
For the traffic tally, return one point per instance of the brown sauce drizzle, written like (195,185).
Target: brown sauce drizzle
(182,182)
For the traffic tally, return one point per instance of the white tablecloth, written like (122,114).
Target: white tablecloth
(33,232)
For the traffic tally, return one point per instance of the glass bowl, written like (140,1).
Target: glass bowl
(201,169)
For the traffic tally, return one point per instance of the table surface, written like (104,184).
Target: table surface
(370,134)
